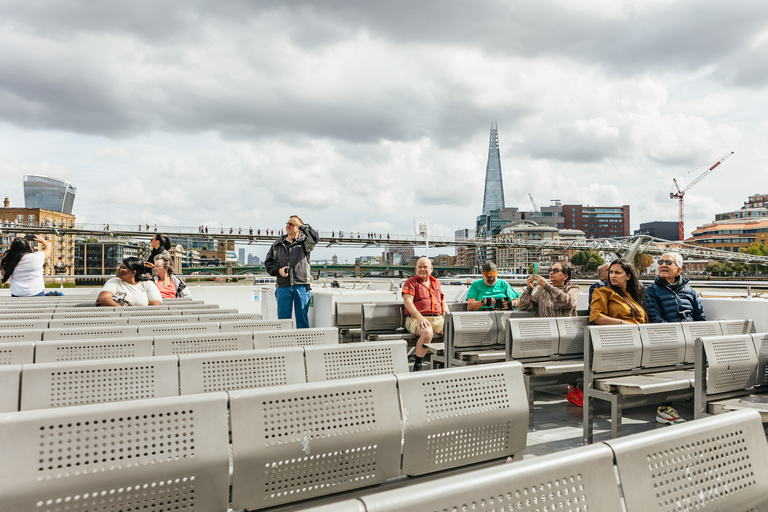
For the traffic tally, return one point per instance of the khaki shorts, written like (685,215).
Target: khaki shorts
(436,321)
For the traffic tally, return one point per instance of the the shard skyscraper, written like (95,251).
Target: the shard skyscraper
(494,186)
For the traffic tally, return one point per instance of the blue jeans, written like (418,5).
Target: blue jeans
(41,294)
(298,296)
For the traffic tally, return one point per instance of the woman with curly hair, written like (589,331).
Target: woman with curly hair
(131,286)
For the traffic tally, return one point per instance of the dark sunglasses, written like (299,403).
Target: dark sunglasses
(666,262)
(554,270)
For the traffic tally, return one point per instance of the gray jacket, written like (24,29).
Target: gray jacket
(294,255)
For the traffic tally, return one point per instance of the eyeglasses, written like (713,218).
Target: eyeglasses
(666,262)
(554,270)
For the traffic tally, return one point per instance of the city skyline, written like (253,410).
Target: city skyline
(361,116)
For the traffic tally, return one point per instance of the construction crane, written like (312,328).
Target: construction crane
(681,193)
(535,208)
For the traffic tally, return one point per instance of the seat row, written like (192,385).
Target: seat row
(636,365)
(58,323)
(26,352)
(288,443)
(85,331)
(43,385)
(711,464)
(731,373)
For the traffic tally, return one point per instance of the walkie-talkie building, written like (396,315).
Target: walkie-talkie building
(49,193)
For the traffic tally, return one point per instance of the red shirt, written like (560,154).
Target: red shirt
(428,301)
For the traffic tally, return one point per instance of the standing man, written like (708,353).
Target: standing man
(483,293)
(671,299)
(288,260)
(425,307)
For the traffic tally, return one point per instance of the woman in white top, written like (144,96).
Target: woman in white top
(133,286)
(26,266)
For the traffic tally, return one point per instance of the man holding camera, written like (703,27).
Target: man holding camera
(491,292)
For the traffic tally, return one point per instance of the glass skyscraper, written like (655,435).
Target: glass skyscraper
(494,187)
(49,193)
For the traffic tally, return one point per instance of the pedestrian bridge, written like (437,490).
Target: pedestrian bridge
(358,270)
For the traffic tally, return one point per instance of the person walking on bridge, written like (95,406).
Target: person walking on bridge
(288,260)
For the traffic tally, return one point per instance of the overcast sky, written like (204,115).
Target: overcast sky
(362,115)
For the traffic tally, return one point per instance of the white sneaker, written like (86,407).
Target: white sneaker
(668,415)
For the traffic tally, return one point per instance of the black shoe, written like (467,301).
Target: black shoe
(417,363)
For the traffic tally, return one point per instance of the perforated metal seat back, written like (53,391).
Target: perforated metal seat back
(100,457)
(193,306)
(382,317)
(502,323)
(230,317)
(26,309)
(732,363)
(55,351)
(207,312)
(89,382)
(297,442)
(296,337)
(7,335)
(349,315)
(615,347)
(86,314)
(473,329)
(581,479)
(259,325)
(461,416)
(18,352)
(246,369)
(714,463)
(331,362)
(61,323)
(737,326)
(155,320)
(761,349)
(351,505)
(533,337)
(197,343)
(10,383)
(663,344)
(11,317)
(88,332)
(168,329)
(693,330)
(571,331)
(95,309)
(158,312)
(23,324)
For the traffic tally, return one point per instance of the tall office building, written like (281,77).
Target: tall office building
(597,221)
(48,193)
(494,186)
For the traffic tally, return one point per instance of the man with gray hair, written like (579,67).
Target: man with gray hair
(671,299)
(425,307)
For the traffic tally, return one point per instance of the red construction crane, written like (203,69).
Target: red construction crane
(681,193)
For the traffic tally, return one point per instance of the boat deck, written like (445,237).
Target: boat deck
(558,423)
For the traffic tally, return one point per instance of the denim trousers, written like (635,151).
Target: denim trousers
(297,297)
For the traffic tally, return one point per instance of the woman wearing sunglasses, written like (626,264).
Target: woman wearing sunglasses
(556,298)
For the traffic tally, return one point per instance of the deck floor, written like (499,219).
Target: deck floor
(558,423)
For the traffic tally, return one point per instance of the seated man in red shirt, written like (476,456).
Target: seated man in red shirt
(425,307)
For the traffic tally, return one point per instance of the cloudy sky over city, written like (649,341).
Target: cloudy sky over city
(359,116)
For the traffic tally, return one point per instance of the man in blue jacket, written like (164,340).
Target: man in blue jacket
(671,299)
(288,260)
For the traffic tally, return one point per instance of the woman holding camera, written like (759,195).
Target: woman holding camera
(26,266)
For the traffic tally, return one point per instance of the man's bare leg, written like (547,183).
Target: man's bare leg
(425,336)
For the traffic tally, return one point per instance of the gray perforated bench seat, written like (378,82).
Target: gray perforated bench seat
(647,384)
(484,355)
(544,368)
(756,402)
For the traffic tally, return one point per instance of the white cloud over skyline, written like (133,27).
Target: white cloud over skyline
(361,116)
